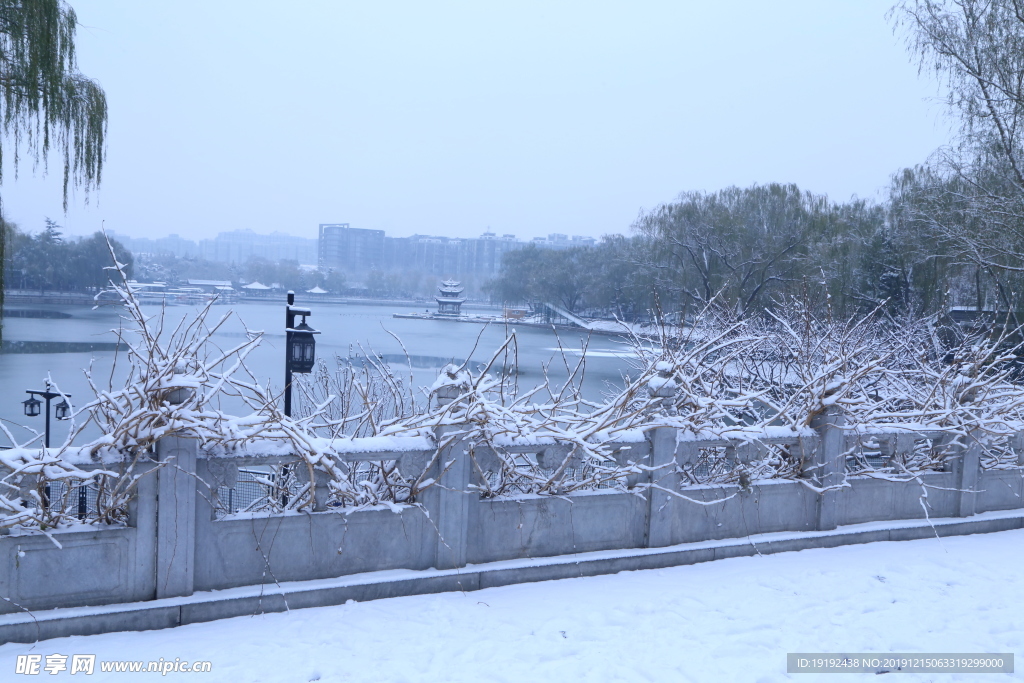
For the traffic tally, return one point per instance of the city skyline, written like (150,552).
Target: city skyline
(529,119)
(237,246)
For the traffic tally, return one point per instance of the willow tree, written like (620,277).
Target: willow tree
(49,108)
(970,196)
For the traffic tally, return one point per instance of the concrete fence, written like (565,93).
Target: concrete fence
(175,544)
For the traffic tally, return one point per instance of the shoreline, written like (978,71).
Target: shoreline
(485,320)
(15,302)
(21,298)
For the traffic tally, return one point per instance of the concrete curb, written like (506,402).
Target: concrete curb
(28,627)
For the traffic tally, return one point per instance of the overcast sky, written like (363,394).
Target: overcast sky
(451,117)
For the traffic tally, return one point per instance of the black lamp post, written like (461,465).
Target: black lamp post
(32,405)
(299,348)
(32,408)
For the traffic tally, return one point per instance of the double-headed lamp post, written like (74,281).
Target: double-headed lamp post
(61,411)
(32,405)
(299,347)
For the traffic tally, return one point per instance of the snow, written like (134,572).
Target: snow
(753,433)
(30,460)
(629,436)
(382,444)
(366,444)
(513,440)
(729,620)
(656,383)
(452,375)
(518,440)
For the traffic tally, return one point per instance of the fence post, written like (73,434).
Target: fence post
(661,505)
(1017,445)
(176,516)
(966,469)
(828,466)
(321,489)
(447,501)
(142,516)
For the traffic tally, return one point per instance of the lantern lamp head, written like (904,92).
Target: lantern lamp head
(32,406)
(62,410)
(302,347)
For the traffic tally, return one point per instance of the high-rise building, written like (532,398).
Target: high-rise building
(447,256)
(350,249)
(472,260)
(238,246)
(558,240)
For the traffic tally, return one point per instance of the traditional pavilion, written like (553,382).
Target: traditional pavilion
(449,299)
(256,288)
(317,291)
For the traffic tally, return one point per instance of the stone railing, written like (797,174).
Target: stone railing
(175,544)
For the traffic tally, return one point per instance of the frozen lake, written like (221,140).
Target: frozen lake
(62,340)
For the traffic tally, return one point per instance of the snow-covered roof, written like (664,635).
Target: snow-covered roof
(316,290)
(255,285)
(451,287)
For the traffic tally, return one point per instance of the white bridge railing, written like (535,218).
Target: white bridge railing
(179,536)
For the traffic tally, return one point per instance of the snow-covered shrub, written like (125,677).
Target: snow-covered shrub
(751,385)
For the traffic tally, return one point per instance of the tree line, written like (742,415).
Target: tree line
(745,249)
(950,231)
(48,262)
(177,270)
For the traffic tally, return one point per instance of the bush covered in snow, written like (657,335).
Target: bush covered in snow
(717,378)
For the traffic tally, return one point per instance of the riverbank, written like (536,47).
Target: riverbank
(22,297)
(56,298)
(611,328)
(404,303)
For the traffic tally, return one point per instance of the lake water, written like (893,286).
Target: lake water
(62,340)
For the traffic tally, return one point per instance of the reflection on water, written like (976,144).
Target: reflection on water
(58,347)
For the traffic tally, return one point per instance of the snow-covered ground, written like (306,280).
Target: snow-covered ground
(731,620)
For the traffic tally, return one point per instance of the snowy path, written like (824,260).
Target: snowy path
(730,620)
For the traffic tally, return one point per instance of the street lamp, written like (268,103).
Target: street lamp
(32,408)
(299,348)
(32,405)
